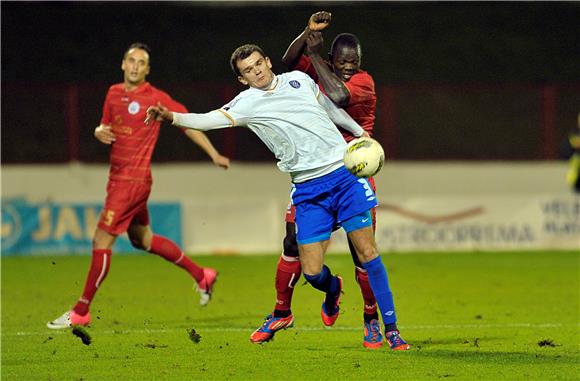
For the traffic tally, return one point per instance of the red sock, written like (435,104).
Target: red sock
(287,274)
(171,252)
(362,278)
(99,269)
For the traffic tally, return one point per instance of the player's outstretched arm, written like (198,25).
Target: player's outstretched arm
(104,133)
(317,22)
(212,120)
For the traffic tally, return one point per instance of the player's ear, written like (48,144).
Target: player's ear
(242,80)
(123,65)
(268,62)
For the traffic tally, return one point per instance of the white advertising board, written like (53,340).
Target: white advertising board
(477,223)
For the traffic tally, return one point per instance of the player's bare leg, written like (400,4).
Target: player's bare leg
(363,240)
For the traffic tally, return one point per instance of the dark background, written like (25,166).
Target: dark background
(455,80)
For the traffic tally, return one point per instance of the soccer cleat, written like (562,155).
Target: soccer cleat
(270,327)
(69,319)
(373,336)
(330,318)
(396,342)
(205,287)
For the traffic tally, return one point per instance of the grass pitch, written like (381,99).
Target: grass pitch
(502,315)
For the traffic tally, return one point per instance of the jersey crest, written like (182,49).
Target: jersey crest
(134,107)
(295,84)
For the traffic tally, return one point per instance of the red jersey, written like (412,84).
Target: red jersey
(362,104)
(125,111)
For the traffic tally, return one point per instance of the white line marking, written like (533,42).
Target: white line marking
(49,332)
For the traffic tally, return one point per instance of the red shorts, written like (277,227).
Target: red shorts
(291,209)
(126,203)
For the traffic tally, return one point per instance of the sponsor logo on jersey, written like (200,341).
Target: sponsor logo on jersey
(294,84)
(122,130)
(134,107)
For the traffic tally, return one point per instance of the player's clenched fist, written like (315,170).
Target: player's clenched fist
(319,21)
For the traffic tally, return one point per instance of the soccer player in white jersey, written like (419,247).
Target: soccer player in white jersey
(297,123)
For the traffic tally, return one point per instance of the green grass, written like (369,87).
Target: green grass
(467,316)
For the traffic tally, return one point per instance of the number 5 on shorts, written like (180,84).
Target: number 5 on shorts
(108,216)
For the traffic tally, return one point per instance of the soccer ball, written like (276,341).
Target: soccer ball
(364,157)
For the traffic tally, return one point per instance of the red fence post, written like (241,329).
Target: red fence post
(71,113)
(548,147)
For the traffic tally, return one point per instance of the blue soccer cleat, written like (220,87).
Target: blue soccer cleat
(270,327)
(396,342)
(373,336)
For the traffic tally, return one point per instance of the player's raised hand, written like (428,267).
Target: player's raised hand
(158,113)
(319,21)
(104,134)
(314,43)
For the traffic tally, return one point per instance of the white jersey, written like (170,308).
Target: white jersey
(294,119)
(290,121)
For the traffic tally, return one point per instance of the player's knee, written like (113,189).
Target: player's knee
(367,253)
(290,244)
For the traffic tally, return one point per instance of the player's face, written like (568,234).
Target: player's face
(135,66)
(256,71)
(345,62)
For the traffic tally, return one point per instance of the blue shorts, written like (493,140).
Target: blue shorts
(330,200)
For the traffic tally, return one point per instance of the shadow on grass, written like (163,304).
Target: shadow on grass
(473,355)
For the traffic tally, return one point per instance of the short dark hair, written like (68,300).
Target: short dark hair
(241,53)
(348,40)
(138,45)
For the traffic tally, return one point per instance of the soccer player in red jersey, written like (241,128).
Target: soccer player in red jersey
(353,89)
(132,144)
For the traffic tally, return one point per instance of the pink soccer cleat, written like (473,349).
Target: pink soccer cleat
(205,287)
(69,319)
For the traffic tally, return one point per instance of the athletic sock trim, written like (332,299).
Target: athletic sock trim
(103,271)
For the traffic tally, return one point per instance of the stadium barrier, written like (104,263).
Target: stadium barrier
(52,209)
